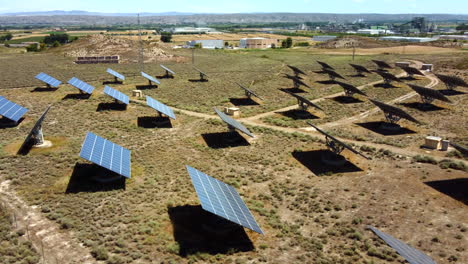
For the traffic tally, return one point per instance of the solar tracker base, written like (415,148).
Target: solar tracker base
(332,159)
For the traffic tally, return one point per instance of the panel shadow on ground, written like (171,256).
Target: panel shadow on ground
(7,123)
(146,87)
(385,85)
(78,96)
(111,107)
(93,178)
(44,89)
(224,140)
(455,188)
(154,122)
(346,100)
(292,90)
(298,114)
(198,231)
(422,106)
(312,160)
(377,127)
(326,82)
(451,92)
(242,101)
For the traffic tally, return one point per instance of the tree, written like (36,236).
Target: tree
(8,36)
(283,44)
(166,36)
(289,42)
(61,38)
(56,44)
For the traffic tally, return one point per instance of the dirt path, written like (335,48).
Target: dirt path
(58,246)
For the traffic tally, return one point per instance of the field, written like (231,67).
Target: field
(309,212)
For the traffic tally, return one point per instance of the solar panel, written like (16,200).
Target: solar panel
(388,76)
(11,110)
(325,65)
(297,80)
(35,129)
(117,95)
(382,64)
(160,107)
(333,74)
(48,79)
(359,68)
(222,200)
(167,69)
(233,123)
(115,74)
(106,154)
(350,88)
(429,93)
(296,70)
(392,110)
(82,86)
(337,141)
(303,100)
(452,81)
(248,91)
(412,255)
(202,73)
(412,71)
(150,78)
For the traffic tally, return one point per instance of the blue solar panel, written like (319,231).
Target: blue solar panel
(106,154)
(412,255)
(115,74)
(222,199)
(116,94)
(160,107)
(150,78)
(233,123)
(11,110)
(48,79)
(82,86)
(167,69)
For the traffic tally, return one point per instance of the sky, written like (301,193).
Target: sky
(241,6)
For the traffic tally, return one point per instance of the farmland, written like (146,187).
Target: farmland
(310,213)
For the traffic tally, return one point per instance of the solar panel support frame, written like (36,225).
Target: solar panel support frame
(36,134)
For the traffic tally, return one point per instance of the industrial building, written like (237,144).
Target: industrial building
(375,31)
(257,43)
(323,38)
(207,43)
(407,39)
(192,30)
(453,37)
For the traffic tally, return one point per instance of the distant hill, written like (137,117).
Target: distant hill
(66,18)
(86,13)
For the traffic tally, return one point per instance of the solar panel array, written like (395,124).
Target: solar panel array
(115,74)
(393,110)
(48,79)
(167,69)
(106,154)
(117,95)
(431,93)
(150,78)
(337,141)
(247,90)
(82,86)
(160,107)
(382,64)
(297,80)
(333,73)
(222,200)
(35,128)
(325,65)
(388,76)
(202,73)
(350,88)
(296,70)
(233,123)
(412,255)
(304,100)
(11,110)
(359,68)
(452,80)
(412,71)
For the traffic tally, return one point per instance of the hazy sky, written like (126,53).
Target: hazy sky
(244,6)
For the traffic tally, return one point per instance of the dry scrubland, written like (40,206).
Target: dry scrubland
(309,213)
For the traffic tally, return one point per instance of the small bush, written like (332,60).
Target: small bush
(424,159)
(99,253)
(450,164)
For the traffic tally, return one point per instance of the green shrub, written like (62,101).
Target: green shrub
(424,159)
(450,164)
